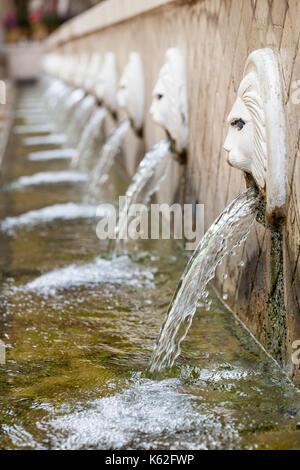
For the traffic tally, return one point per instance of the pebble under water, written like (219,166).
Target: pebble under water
(80,328)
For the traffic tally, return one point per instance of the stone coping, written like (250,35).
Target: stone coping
(101,16)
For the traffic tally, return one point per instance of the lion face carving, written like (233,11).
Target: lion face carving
(131,94)
(106,85)
(255,142)
(169,105)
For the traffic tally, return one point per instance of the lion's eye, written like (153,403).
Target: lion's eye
(238,123)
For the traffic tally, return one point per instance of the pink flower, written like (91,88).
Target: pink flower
(35,16)
(11,20)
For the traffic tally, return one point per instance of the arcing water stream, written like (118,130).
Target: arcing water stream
(229,230)
(146,181)
(80,328)
(89,136)
(110,150)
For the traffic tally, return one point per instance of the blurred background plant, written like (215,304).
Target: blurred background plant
(34,19)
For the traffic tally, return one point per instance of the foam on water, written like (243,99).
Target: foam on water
(52,139)
(34,129)
(147,415)
(20,437)
(48,214)
(102,271)
(67,153)
(48,177)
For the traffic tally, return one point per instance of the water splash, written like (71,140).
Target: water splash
(140,417)
(34,129)
(47,177)
(107,156)
(102,271)
(52,139)
(229,230)
(146,181)
(48,214)
(55,154)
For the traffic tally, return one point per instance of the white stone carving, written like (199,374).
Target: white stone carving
(256,138)
(80,73)
(169,105)
(92,72)
(106,85)
(131,94)
(68,65)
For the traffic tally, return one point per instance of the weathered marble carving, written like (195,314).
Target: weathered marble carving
(80,74)
(106,86)
(92,72)
(169,105)
(131,94)
(68,65)
(256,138)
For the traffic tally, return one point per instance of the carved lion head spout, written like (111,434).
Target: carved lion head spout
(106,85)
(92,72)
(256,137)
(169,105)
(131,94)
(79,75)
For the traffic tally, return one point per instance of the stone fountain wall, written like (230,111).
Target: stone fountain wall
(217,36)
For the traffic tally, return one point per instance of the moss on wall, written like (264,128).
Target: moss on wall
(275,323)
